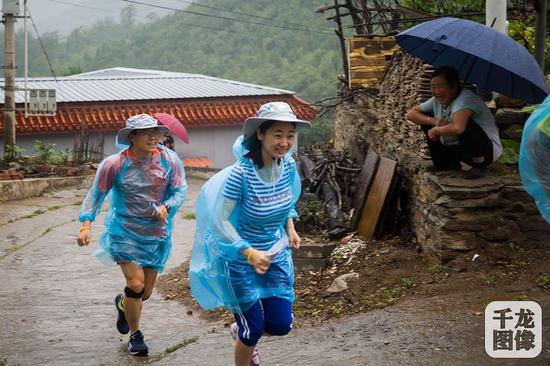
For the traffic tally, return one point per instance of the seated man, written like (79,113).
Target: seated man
(458,125)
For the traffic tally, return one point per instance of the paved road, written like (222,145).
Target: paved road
(56,309)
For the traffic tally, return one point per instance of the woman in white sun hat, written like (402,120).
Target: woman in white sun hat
(146,182)
(241,255)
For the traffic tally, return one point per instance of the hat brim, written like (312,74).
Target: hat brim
(122,135)
(251,124)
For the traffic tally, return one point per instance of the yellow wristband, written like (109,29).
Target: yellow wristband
(82,228)
(249,254)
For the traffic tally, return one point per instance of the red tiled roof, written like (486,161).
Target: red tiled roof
(198,163)
(110,116)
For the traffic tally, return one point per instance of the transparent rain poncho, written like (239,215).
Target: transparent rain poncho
(135,188)
(219,274)
(534,157)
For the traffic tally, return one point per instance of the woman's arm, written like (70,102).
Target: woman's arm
(177,187)
(103,182)
(455,128)
(256,258)
(416,116)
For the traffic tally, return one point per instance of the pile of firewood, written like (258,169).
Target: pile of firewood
(329,176)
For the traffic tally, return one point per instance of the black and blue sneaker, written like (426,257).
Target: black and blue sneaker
(121,323)
(136,345)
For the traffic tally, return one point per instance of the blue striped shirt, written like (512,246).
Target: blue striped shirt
(264,206)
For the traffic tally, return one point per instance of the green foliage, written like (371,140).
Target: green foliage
(444,6)
(544,281)
(312,215)
(321,131)
(14,152)
(47,154)
(73,70)
(189,216)
(510,152)
(306,62)
(523,31)
(530,108)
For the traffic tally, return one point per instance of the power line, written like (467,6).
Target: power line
(80,6)
(42,45)
(187,24)
(225,18)
(241,13)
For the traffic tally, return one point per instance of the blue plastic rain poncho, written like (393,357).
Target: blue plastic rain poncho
(534,157)
(236,209)
(136,187)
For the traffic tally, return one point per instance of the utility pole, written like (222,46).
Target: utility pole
(540,31)
(10,10)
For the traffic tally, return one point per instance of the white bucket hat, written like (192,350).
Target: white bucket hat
(273,111)
(139,122)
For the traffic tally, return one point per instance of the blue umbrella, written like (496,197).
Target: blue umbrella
(481,55)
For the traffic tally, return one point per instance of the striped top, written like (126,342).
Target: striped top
(264,206)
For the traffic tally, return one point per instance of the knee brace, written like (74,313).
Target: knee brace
(132,294)
(278,329)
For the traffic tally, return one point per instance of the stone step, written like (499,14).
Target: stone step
(309,264)
(315,250)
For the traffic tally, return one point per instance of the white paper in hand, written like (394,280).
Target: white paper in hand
(278,246)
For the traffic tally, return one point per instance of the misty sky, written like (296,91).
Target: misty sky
(60,15)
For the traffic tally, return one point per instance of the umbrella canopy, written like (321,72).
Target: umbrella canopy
(174,125)
(481,55)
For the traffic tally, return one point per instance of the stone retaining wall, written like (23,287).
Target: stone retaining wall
(33,187)
(448,215)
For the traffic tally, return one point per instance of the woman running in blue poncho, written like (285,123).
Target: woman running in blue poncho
(147,185)
(241,256)
(534,157)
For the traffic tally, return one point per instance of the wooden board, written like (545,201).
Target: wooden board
(376,198)
(363,184)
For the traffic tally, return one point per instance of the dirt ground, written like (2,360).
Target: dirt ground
(389,271)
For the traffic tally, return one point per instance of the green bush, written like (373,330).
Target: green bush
(47,154)
(510,152)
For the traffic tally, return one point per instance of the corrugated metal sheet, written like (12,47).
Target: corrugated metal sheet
(134,84)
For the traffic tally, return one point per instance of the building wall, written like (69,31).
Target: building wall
(215,143)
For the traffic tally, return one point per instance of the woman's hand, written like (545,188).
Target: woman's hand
(258,259)
(83,238)
(293,238)
(433,133)
(162,212)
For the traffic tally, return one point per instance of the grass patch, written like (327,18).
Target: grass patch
(172,349)
(189,216)
(54,207)
(408,282)
(544,281)
(521,298)
(436,268)
(34,214)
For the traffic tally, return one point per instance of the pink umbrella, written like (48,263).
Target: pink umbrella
(174,125)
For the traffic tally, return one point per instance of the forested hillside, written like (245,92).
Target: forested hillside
(283,44)
(305,61)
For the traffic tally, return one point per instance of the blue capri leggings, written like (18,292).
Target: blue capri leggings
(272,315)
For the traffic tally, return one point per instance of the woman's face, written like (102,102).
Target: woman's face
(442,91)
(278,139)
(145,140)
